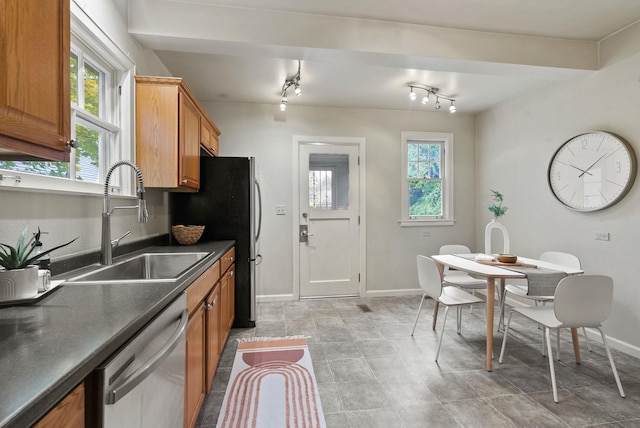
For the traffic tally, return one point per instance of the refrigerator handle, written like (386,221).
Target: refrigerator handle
(259,210)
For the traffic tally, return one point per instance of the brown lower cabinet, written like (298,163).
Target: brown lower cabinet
(210,300)
(68,413)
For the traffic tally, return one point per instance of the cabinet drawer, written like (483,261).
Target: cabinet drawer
(227,260)
(201,287)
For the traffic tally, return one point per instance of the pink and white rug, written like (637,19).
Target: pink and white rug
(272,385)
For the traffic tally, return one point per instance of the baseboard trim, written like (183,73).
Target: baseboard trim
(275,298)
(392,293)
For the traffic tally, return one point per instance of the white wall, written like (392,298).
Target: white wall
(266,133)
(515,143)
(66,216)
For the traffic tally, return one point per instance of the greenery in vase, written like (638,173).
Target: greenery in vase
(497,209)
(22,255)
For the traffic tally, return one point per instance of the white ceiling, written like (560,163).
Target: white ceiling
(363,53)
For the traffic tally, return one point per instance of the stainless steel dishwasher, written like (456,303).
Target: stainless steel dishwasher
(142,385)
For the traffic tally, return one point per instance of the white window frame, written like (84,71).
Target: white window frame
(90,36)
(446,139)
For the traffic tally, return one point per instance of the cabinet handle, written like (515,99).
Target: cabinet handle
(208,306)
(230,273)
(231,259)
(185,181)
(72,144)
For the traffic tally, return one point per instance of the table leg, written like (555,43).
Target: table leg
(491,290)
(576,344)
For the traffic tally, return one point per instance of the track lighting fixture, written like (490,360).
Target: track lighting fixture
(430,90)
(293,81)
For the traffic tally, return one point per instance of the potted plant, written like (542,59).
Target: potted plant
(19,276)
(497,209)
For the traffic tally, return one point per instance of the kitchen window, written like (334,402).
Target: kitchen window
(100,96)
(427,179)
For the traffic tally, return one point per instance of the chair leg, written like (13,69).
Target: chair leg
(435,315)
(504,338)
(586,338)
(501,320)
(547,334)
(418,314)
(444,321)
(473,292)
(613,365)
(459,318)
(558,344)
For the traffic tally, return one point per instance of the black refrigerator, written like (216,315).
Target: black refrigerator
(228,204)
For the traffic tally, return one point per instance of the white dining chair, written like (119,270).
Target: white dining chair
(431,283)
(521,291)
(579,301)
(459,278)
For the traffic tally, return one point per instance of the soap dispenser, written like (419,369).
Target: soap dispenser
(43,262)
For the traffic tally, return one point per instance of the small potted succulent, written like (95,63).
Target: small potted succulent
(19,273)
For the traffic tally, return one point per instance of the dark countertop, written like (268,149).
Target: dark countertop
(49,347)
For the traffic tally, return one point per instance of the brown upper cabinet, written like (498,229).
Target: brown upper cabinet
(170,130)
(35,116)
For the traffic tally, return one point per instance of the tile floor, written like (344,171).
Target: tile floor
(372,373)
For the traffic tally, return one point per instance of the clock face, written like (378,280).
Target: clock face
(592,171)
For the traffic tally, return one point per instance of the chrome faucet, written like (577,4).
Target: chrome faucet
(107,245)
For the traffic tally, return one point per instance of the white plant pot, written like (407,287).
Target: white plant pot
(18,283)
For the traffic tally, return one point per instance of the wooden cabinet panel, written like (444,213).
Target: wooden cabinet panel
(34,77)
(194,381)
(68,413)
(201,287)
(189,143)
(231,275)
(227,260)
(170,127)
(212,305)
(209,136)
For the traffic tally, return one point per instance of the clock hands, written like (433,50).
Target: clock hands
(581,170)
(586,171)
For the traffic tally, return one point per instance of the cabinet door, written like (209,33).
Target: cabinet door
(195,382)
(231,279)
(189,168)
(34,77)
(209,136)
(68,413)
(212,305)
(224,309)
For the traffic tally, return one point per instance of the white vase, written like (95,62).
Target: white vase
(18,283)
(495,224)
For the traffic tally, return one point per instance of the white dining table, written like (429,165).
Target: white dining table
(493,273)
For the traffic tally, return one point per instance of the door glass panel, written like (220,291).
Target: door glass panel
(328,181)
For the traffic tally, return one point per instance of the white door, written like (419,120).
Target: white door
(329,231)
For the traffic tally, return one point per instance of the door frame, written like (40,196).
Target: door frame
(295,209)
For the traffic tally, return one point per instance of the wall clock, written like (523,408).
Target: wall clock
(592,171)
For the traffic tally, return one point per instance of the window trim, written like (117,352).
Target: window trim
(446,139)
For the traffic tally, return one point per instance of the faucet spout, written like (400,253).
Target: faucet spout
(106,246)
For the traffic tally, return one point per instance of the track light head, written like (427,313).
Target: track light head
(295,82)
(430,90)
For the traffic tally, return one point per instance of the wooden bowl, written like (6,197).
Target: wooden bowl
(507,258)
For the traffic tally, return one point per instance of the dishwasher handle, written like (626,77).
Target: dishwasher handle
(134,379)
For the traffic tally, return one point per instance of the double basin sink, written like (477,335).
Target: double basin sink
(145,267)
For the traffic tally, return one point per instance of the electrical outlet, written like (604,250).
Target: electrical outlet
(602,236)
(280,210)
